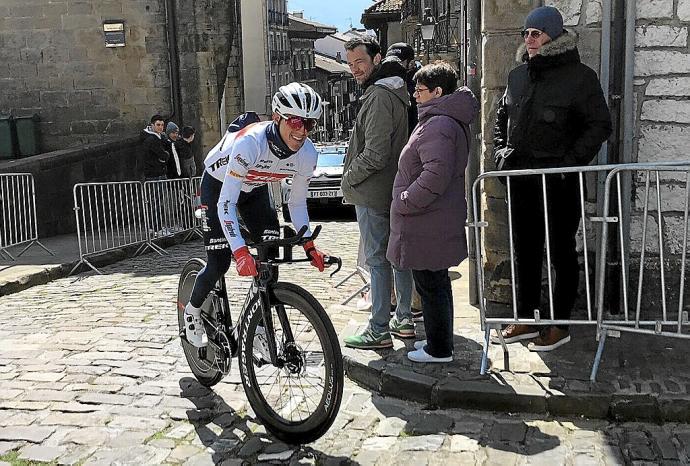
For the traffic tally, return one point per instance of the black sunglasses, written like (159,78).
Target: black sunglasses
(534,33)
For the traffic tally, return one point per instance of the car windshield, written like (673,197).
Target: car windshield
(331,159)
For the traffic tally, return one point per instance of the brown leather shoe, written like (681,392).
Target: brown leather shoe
(549,339)
(515,332)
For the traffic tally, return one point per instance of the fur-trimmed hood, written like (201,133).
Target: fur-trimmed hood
(566,42)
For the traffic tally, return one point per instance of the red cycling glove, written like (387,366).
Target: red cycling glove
(316,256)
(244,262)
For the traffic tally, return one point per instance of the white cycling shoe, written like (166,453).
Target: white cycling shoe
(194,330)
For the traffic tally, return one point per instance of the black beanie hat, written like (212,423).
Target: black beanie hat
(547,19)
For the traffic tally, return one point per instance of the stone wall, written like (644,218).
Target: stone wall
(234,85)
(662,133)
(56,173)
(210,64)
(53,61)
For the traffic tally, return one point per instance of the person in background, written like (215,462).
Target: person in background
(405,53)
(429,197)
(156,154)
(184,150)
(372,156)
(172,133)
(553,114)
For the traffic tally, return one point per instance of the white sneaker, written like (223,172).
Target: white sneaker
(194,330)
(261,344)
(419,344)
(363,304)
(422,356)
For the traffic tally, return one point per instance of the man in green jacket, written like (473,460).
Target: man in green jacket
(371,163)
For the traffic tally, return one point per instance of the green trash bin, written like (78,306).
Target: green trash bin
(28,137)
(6,138)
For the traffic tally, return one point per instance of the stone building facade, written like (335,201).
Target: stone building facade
(179,59)
(266,57)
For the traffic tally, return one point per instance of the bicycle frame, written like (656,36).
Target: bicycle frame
(259,297)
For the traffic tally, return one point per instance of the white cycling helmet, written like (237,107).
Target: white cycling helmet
(297,99)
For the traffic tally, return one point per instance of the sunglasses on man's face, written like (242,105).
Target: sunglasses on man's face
(296,123)
(533,33)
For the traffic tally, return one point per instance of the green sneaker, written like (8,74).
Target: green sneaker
(402,328)
(369,339)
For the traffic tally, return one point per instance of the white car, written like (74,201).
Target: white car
(324,186)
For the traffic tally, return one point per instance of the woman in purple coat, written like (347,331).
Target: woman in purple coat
(429,209)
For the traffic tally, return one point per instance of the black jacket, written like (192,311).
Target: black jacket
(155,154)
(412,117)
(184,149)
(553,112)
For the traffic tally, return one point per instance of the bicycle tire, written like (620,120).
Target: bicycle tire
(205,372)
(316,424)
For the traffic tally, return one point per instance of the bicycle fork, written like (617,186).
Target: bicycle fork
(263,299)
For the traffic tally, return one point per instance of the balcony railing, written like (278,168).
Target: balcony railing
(447,33)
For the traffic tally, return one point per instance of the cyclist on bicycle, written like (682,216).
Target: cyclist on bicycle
(236,176)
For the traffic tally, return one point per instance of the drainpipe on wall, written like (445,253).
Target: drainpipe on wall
(612,44)
(629,112)
(628,94)
(473,68)
(174,61)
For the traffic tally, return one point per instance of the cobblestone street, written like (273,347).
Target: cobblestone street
(92,373)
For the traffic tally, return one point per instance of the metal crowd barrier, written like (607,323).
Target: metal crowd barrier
(109,216)
(651,323)
(170,208)
(541,318)
(361,271)
(114,215)
(18,214)
(195,200)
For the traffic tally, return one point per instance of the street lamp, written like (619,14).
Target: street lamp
(428,28)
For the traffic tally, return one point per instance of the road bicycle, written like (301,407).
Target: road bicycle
(288,352)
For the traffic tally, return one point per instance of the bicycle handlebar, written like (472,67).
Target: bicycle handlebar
(298,239)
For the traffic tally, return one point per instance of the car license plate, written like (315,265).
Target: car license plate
(325,193)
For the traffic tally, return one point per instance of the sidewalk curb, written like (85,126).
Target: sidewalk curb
(57,271)
(478,393)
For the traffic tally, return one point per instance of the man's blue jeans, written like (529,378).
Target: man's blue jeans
(374,228)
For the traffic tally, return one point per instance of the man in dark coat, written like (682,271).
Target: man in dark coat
(553,114)
(184,149)
(155,152)
(405,53)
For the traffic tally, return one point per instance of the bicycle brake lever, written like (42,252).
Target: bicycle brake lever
(330,260)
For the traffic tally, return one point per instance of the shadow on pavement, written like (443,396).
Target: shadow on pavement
(468,432)
(229,434)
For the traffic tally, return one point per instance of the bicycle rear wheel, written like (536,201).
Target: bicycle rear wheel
(200,360)
(298,402)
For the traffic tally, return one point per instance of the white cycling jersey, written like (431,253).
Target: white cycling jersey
(243,161)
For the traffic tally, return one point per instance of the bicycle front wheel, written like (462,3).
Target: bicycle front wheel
(201,361)
(299,401)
